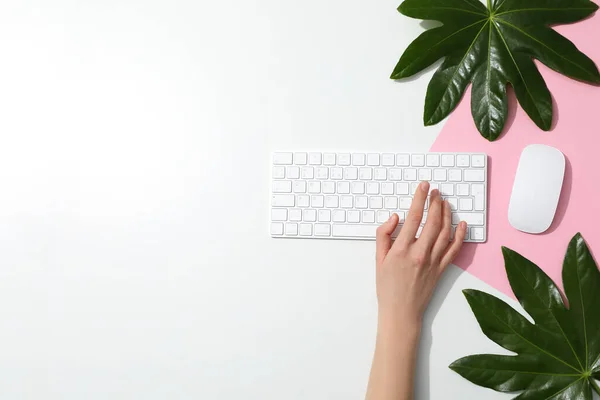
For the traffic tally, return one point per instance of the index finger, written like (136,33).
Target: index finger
(414,217)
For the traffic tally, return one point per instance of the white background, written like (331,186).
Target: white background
(134,163)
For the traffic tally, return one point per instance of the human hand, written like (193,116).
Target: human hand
(409,269)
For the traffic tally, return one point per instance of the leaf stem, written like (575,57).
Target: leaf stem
(489,5)
(595,385)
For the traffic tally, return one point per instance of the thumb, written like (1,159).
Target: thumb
(384,237)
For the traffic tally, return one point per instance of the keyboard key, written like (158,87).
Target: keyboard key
(463,160)
(329,159)
(447,189)
(293,172)
(395,174)
(278,172)
(322,230)
(361,202)
(478,192)
(462,189)
(372,188)
(380,174)
(282,187)
(387,188)
(365,173)
(388,160)
(455,175)
(376,202)
(324,216)
(358,159)
(332,201)
(354,231)
(305,229)
(405,203)
(338,216)
(353,217)
(317,201)
(314,158)
(402,160)
(440,175)
(358,187)
(343,159)
(346,201)
(303,201)
(282,200)
(465,204)
(478,161)
(391,203)
(322,172)
(373,160)
(474,175)
(309,215)
(477,189)
(382,216)
(328,187)
(279,214)
(477,233)
(410,174)
(447,160)
(300,158)
(291,229)
(307,173)
(336,173)
(314,187)
(425,174)
(433,160)
(350,173)
(295,214)
(343,187)
(469,218)
(276,228)
(368,216)
(418,160)
(402,188)
(282,159)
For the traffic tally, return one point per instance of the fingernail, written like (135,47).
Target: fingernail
(435,192)
(463,225)
(425,186)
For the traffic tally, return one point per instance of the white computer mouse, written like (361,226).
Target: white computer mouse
(537,188)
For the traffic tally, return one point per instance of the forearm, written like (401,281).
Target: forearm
(393,370)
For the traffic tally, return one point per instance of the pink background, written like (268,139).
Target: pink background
(575,132)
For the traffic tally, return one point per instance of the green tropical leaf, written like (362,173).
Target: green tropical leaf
(558,356)
(491,48)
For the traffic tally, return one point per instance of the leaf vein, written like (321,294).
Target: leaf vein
(544,9)
(543,44)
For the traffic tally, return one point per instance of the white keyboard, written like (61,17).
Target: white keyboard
(348,195)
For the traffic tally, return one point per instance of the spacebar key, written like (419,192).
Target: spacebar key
(358,231)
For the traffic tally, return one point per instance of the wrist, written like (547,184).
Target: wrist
(406,329)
